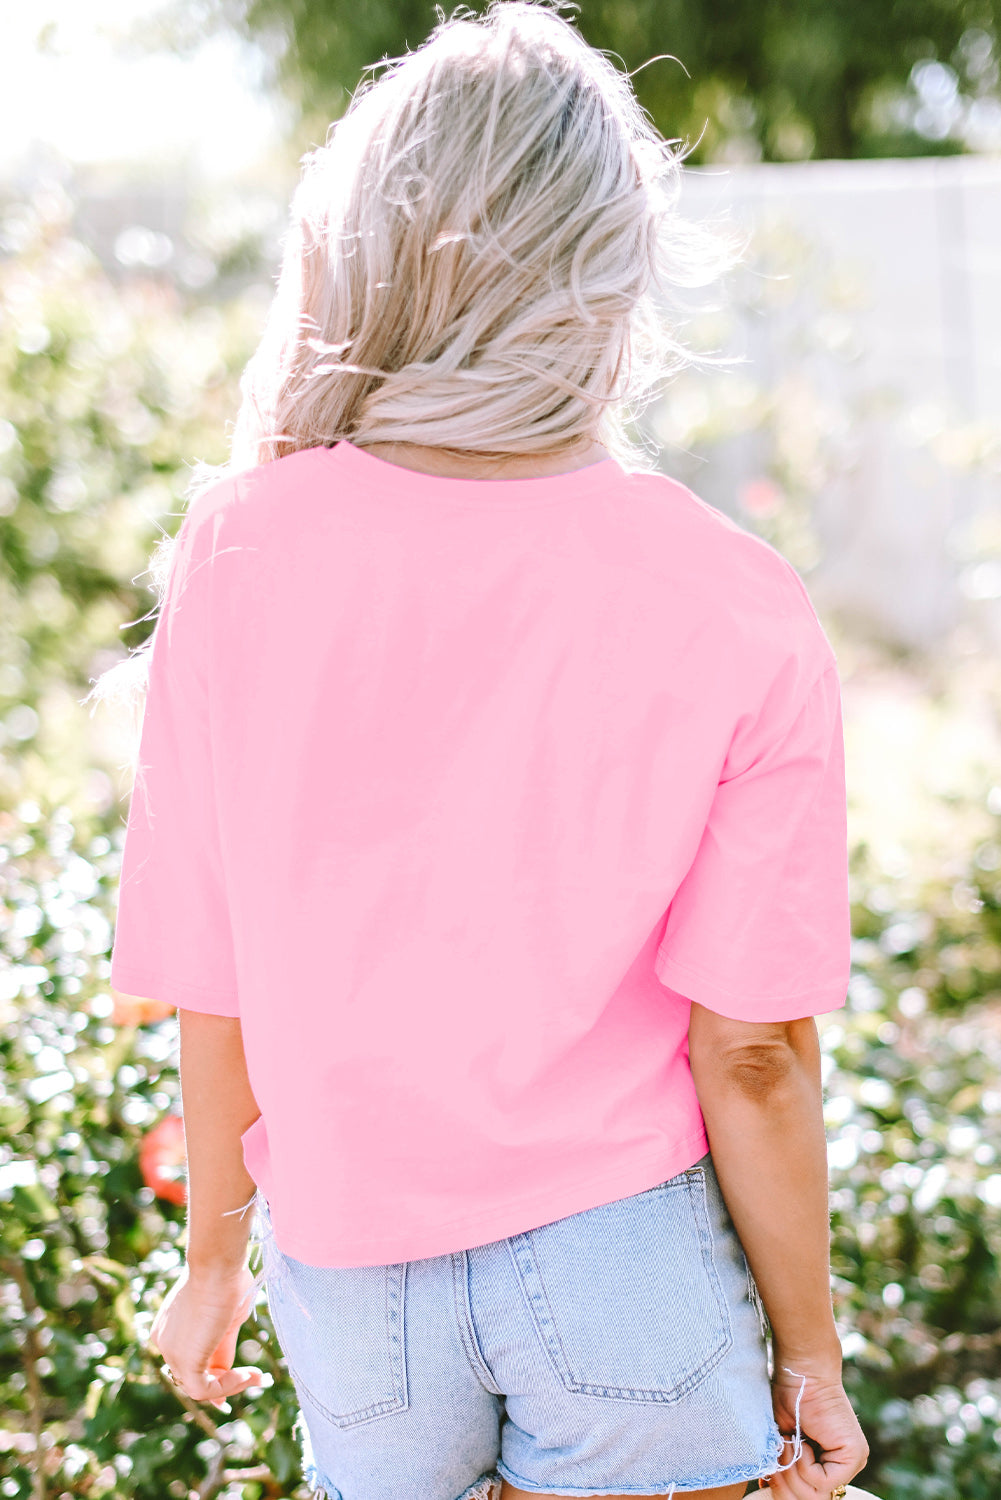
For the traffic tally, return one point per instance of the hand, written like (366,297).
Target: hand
(196,1332)
(834,1447)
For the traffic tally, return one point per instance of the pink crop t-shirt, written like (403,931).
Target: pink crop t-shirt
(457,793)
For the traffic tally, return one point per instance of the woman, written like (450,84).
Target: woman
(489,835)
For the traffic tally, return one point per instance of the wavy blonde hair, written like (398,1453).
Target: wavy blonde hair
(482,257)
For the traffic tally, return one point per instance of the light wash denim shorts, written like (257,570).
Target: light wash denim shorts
(620,1350)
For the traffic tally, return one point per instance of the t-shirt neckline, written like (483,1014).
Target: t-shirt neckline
(378,473)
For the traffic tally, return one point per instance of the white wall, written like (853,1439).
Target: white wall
(892,314)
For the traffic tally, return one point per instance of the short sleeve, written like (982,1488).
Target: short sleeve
(760,927)
(172,933)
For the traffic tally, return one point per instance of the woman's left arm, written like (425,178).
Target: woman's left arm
(197,1326)
(219,1105)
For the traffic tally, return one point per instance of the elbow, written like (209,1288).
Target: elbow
(757,1061)
(758,1071)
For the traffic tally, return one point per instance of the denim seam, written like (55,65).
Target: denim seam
(527,1269)
(522,1244)
(695,1178)
(467,1329)
(396,1301)
(352,1418)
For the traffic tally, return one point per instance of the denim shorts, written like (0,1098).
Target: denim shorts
(620,1350)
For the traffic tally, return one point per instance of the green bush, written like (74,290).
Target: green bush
(109,393)
(109,390)
(914,1091)
(87,1251)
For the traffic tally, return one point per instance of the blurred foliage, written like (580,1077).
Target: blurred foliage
(913,1078)
(776,81)
(86,1250)
(108,392)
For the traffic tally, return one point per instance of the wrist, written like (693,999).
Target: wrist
(818,1361)
(214,1272)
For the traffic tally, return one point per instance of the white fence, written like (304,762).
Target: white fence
(870,305)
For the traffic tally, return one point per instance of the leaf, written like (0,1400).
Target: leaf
(104,1270)
(34,1202)
(283,1456)
(94,1392)
(124,1309)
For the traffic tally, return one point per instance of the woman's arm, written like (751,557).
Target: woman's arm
(219,1105)
(198,1324)
(759,1087)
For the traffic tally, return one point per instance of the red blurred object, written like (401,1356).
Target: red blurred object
(161,1155)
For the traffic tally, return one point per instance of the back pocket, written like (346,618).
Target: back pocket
(626,1297)
(341,1330)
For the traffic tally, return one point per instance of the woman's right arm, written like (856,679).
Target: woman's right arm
(759,1088)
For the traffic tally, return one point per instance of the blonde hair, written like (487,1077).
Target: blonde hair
(481,257)
(475,254)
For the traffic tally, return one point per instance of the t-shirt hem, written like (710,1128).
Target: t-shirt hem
(177,992)
(514,1217)
(818,1000)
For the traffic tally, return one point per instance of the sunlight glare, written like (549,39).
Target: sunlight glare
(68,86)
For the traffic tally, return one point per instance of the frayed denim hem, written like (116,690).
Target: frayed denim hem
(487,1487)
(320,1487)
(320,1490)
(719,1480)
(271,1265)
(708,1482)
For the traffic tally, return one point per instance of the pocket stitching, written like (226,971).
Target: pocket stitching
(526,1264)
(395,1288)
(703,1224)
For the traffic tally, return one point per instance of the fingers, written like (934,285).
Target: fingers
(833,1448)
(808,1479)
(196,1332)
(215,1386)
(225,1351)
(790,1486)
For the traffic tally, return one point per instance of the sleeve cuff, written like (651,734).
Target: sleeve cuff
(177,992)
(818,1000)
